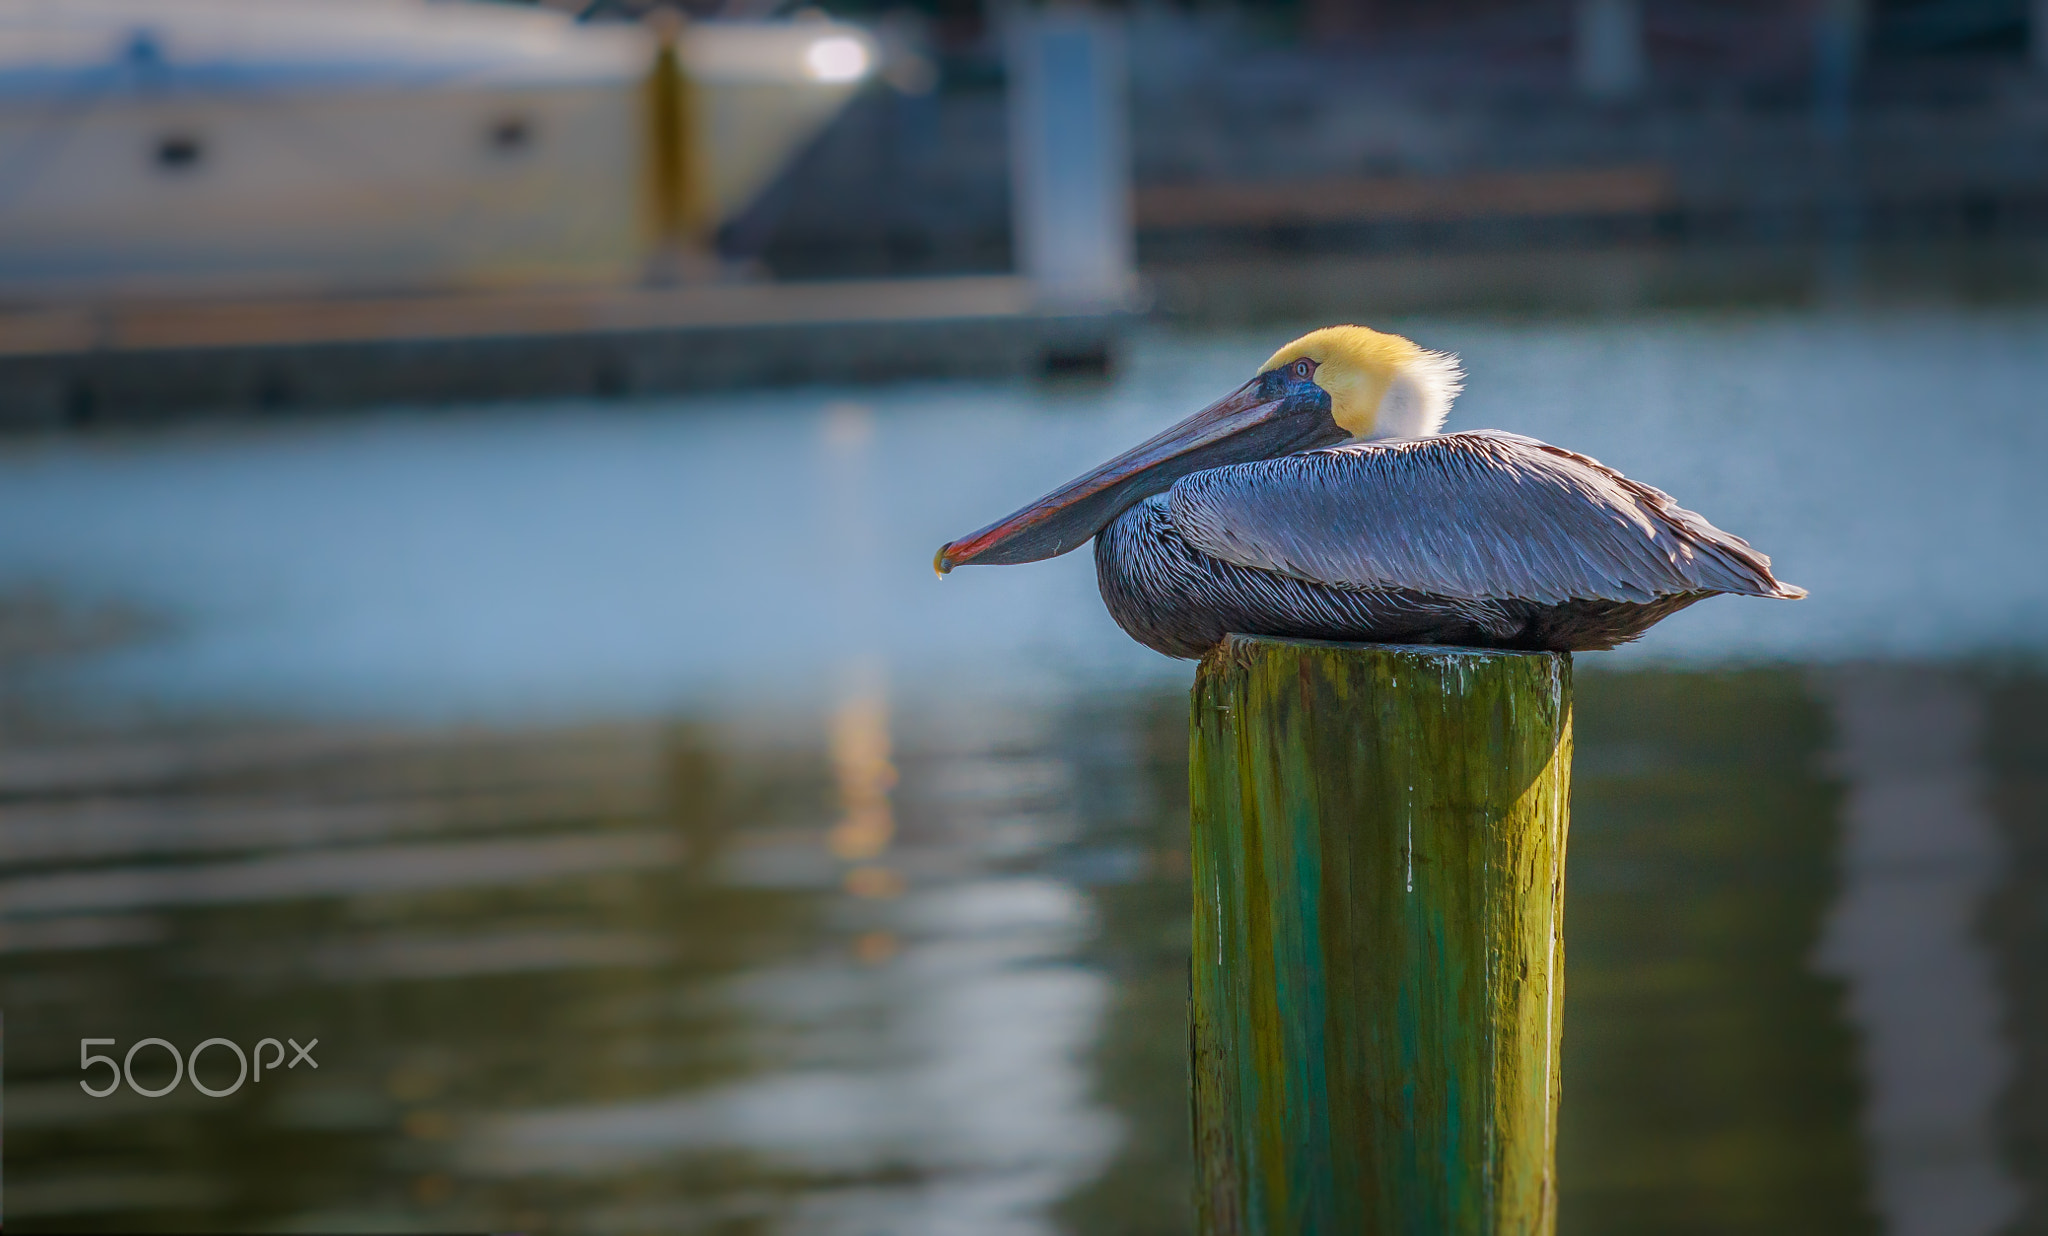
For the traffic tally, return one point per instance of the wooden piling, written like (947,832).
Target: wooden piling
(1377,987)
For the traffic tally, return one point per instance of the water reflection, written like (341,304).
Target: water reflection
(651,1004)
(1919,856)
(612,979)
(1710,1082)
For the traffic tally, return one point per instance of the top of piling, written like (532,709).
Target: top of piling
(1236,651)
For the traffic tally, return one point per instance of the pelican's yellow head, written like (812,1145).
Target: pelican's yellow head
(1380,385)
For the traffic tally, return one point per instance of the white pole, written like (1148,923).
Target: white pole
(1070,157)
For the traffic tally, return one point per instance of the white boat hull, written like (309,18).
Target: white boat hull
(170,147)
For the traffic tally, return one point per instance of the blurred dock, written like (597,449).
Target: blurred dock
(77,364)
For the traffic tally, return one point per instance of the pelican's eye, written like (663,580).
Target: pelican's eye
(1303,369)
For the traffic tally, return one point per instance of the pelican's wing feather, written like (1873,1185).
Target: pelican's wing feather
(1473,516)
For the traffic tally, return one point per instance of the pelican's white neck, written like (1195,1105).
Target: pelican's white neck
(1419,396)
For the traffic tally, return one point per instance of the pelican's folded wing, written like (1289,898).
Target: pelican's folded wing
(1464,515)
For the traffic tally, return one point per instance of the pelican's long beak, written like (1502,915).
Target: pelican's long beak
(1259,420)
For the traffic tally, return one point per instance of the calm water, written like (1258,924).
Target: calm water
(653,845)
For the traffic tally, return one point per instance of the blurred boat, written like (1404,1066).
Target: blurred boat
(177,147)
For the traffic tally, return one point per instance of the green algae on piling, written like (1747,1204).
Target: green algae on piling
(1378,865)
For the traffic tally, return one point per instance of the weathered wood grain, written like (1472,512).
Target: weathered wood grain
(1379,842)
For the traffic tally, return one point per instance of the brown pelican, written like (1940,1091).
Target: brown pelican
(1319,501)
